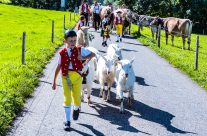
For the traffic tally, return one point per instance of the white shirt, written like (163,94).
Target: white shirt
(96,9)
(85,8)
(84,52)
(119,20)
(105,20)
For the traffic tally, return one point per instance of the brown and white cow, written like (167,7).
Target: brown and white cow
(179,27)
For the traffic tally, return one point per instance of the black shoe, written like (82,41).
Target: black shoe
(67,126)
(103,44)
(76,114)
(106,44)
(117,40)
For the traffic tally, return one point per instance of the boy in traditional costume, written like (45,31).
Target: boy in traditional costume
(105,30)
(118,24)
(70,64)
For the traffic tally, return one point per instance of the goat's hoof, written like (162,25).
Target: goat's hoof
(100,96)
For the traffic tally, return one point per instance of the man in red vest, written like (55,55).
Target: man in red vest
(70,64)
(85,10)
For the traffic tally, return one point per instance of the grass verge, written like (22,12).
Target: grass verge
(17,81)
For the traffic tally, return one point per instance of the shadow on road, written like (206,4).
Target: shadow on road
(79,132)
(128,50)
(96,132)
(112,114)
(144,111)
(141,81)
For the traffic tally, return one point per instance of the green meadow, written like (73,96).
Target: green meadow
(18,81)
(179,58)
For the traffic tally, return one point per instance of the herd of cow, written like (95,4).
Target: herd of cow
(172,26)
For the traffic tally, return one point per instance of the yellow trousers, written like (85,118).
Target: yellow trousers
(119,29)
(75,93)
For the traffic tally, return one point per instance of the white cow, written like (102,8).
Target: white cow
(125,79)
(114,52)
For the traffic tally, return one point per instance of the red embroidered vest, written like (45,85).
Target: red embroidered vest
(65,60)
(82,8)
(117,21)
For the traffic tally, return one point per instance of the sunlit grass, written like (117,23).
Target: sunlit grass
(18,81)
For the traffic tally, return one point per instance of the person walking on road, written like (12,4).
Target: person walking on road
(105,30)
(119,25)
(96,16)
(70,65)
(85,11)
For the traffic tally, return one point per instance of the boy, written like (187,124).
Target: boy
(118,23)
(70,65)
(105,30)
(81,22)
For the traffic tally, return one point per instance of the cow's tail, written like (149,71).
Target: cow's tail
(188,28)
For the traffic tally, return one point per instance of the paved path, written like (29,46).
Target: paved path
(166,103)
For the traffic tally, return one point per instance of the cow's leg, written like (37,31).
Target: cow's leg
(129,29)
(183,38)
(188,42)
(172,40)
(166,36)
(152,34)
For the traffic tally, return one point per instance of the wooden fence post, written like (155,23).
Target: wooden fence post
(23,47)
(70,16)
(196,55)
(74,14)
(52,38)
(64,23)
(158,36)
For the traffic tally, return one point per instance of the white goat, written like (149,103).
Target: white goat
(105,74)
(89,67)
(125,79)
(88,73)
(114,52)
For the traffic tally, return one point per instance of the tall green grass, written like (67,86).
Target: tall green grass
(182,59)
(17,81)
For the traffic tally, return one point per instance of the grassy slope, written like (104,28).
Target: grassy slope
(17,81)
(182,59)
